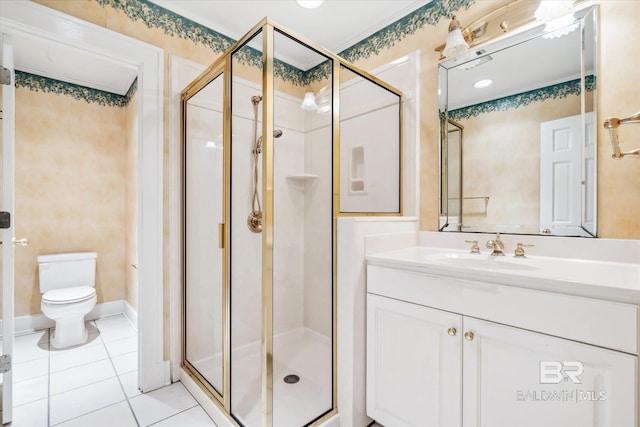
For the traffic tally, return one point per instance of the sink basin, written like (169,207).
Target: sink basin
(481,261)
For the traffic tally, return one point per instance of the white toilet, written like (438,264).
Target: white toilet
(67,282)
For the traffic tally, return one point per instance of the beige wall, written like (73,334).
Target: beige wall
(618,96)
(70,189)
(502,160)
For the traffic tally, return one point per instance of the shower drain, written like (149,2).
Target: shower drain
(291,379)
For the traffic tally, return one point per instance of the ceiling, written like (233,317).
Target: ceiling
(335,25)
(44,57)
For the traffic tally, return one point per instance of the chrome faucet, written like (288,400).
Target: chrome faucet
(497,245)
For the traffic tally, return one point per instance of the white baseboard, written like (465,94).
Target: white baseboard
(131,314)
(38,321)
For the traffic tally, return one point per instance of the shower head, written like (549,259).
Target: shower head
(277,133)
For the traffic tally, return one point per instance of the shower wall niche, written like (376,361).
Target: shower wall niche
(261,192)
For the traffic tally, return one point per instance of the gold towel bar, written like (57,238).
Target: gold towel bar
(612,124)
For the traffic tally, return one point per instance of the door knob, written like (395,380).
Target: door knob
(468,336)
(20,242)
(452,331)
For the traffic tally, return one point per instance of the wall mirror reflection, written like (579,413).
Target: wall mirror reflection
(526,160)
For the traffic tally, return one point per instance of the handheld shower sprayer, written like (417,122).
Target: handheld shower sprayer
(254,221)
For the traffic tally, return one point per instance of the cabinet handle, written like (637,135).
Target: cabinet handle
(468,336)
(452,331)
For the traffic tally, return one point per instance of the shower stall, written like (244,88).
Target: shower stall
(263,181)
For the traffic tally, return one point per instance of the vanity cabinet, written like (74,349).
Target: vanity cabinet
(514,377)
(439,354)
(413,364)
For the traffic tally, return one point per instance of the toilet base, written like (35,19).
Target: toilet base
(69,332)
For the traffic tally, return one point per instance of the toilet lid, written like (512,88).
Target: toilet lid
(69,295)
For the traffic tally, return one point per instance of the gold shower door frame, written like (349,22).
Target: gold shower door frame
(223,66)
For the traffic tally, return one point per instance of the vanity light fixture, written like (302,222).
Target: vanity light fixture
(323,100)
(483,83)
(550,9)
(560,27)
(456,44)
(309,4)
(558,23)
(509,18)
(309,102)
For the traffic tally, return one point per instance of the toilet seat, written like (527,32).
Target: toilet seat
(69,295)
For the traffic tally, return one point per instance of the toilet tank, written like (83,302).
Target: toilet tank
(67,270)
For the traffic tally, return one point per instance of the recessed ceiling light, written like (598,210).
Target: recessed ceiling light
(309,4)
(482,83)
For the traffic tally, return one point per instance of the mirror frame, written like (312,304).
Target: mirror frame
(584,16)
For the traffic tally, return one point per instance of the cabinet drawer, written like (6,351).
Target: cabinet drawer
(604,323)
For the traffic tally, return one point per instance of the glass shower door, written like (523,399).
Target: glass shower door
(204,290)
(302,242)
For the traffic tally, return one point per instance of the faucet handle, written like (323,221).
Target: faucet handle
(475,249)
(519,252)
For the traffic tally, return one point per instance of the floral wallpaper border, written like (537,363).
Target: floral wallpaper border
(37,83)
(176,25)
(560,90)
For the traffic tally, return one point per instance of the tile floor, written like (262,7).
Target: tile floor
(94,384)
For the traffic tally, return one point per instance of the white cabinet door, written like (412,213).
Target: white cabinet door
(514,377)
(413,364)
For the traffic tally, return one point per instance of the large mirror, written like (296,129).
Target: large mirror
(518,135)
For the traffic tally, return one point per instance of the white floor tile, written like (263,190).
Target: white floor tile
(126,362)
(115,415)
(76,356)
(194,417)
(32,414)
(122,346)
(69,405)
(31,347)
(129,382)
(114,334)
(30,390)
(160,404)
(31,369)
(78,386)
(81,376)
(112,323)
(39,337)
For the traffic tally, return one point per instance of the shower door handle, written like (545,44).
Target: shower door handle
(221,235)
